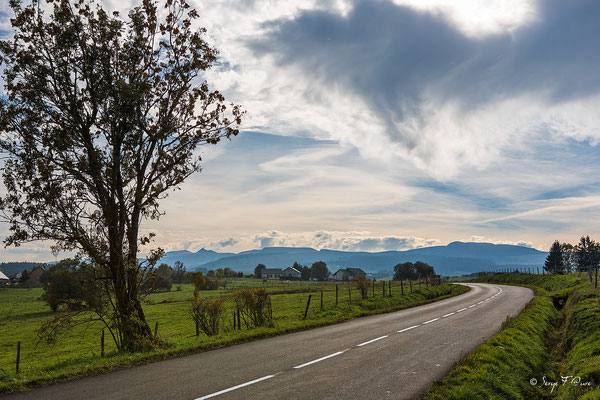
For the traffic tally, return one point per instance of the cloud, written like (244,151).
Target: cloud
(481,239)
(398,83)
(346,241)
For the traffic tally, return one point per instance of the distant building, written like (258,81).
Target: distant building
(16,277)
(270,273)
(291,272)
(4,279)
(347,274)
(37,272)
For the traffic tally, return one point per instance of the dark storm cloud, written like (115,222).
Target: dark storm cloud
(395,57)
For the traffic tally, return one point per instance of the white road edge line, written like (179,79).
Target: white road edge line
(208,396)
(319,359)
(461,310)
(408,329)
(430,321)
(447,315)
(372,340)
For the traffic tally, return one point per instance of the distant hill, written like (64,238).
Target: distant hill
(192,260)
(456,258)
(10,268)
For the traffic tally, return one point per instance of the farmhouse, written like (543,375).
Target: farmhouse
(37,272)
(291,272)
(3,279)
(347,274)
(270,273)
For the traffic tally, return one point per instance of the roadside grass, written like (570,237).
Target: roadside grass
(77,353)
(557,335)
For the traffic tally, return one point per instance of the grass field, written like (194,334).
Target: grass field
(557,335)
(78,352)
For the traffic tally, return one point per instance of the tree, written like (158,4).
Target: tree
(319,271)
(178,275)
(587,255)
(423,270)
(198,280)
(555,262)
(165,270)
(405,271)
(24,276)
(102,118)
(62,285)
(569,256)
(363,284)
(305,273)
(258,270)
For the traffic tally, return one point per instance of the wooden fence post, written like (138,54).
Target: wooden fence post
(102,344)
(239,320)
(410,283)
(390,294)
(307,304)
(373,288)
(383,284)
(321,299)
(402,287)
(18,355)
(350,295)
(156,329)
(233,312)
(336,295)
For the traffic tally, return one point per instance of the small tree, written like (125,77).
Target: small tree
(305,273)
(198,280)
(179,273)
(363,284)
(569,256)
(254,306)
(258,270)
(24,276)
(587,255)
(62,285)
(319,271)
(555,262)
(405,271)
(208,315)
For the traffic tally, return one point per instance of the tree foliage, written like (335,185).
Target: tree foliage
(102,117)
(258,270)
(254,306)
(555,261)
(363,284)
(208,315)
(319,271)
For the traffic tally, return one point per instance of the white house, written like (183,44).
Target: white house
(347,274)
(3,279)
(270,273)
(291,272)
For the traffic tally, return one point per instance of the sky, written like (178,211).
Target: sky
(391,125)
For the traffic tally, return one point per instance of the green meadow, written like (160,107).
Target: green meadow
(77,353)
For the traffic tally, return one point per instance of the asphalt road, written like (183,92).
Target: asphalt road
(396,355)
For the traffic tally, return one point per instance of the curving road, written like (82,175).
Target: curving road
(396,355)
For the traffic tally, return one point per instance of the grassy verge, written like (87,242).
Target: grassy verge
(77,354)
(557,335)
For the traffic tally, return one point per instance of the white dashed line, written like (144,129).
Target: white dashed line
(472,305)
(447,315)
(319,359)
(480,302)
(461,310)
(408,329)
(487,299)
(208,396)
(372,340)
(430,321)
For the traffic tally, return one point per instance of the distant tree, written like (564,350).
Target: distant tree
(179,273)
(554,262)
(198,280)
(319,271)
(363,284)
(405,271)
(258,270)
(305,273)
(423,270)
(164,270)
(587,255)
(569,257)
(24,276)
(210,273)
(101,116)
(62,285)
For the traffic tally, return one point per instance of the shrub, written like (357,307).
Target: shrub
(363,285)
(207,314)
(254,306)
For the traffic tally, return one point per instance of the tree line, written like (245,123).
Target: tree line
(582,257)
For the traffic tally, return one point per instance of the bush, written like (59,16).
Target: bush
(207,314)
(363,285)
(254,306)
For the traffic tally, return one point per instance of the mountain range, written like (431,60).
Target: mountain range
(456,258)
